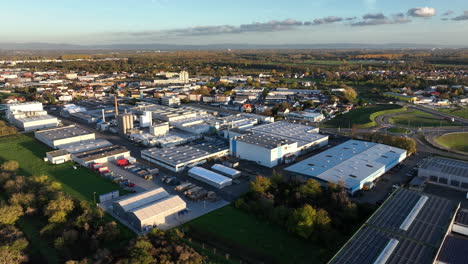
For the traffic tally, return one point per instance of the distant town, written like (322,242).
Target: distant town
(236,156)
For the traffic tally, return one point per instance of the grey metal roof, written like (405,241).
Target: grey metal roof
(462,217)
(447,166)
(63,132)
(159,207)
(416,245)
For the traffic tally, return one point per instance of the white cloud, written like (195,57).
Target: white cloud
(422,12)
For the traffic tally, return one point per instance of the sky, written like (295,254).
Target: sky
(199,22)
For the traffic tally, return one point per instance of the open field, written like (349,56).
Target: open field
(398,130)
(80,183)
(247,235)
(418,118)
(456,111)
(363,117)
(455,141)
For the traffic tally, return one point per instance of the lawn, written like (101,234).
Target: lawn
(418,118)
(398,130)
(456,111)
(363,117)
(455,141)
(247,235)
(80,183)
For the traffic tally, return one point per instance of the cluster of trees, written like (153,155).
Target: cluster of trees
(6,130)
(79,232)
(396,141)
(305,208)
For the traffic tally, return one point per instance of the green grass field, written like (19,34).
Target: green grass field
(236,227)
(457,111)
(398,130)
(455,141)
(418,118)
(80,183)
(363,117)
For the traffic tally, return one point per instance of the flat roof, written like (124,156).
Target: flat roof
(36,118)
(94,154)
(446,166)
(297,132)
(210,175)
(264,140)
(85,145)
(350,162)
(462,217)
(63,132)
(57,153)
(182,154)
(418,244)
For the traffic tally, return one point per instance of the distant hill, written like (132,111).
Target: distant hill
(58,46)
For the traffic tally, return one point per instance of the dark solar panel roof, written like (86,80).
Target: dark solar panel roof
(462,217)
(416,245)
(453,250)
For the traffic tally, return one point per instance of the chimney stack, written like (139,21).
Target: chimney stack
(116,106)
(103,116)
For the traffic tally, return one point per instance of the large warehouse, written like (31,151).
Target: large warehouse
(212,178)
(100,155)
(408,228)
(56,137)
(148,209)
(448,172)
(33,123)
(353,163)
(85,145)
(181,157)
(264,149)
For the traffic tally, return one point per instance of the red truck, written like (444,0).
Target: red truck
(122,162)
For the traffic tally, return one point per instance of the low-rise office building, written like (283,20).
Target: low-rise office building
(63,135)
(355,164)
(448,172)
(58,156)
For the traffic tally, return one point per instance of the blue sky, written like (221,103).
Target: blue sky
(235,21)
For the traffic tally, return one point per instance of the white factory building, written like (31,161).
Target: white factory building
(209,177)
(448,172)
(64,135)
(354,163)
(100,155)
(30,116)
(274,143)
(149,209)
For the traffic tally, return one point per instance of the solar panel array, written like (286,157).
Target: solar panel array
(417,245)
(451,249)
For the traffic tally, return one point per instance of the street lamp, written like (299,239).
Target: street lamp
(94,197)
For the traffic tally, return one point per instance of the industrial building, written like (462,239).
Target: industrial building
(148,209)
(33,123)
(354,163)
(266,150)
(307,137)
(58,156)
(159,129)
(453,249)
(181,157)
(229,172)
(443,171)
(85,145)
(124,123)
(100,155)
(56,137)
(212,178)
(408,228)
(30,116)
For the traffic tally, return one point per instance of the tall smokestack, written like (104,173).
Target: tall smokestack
(116,106)
(103,116)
